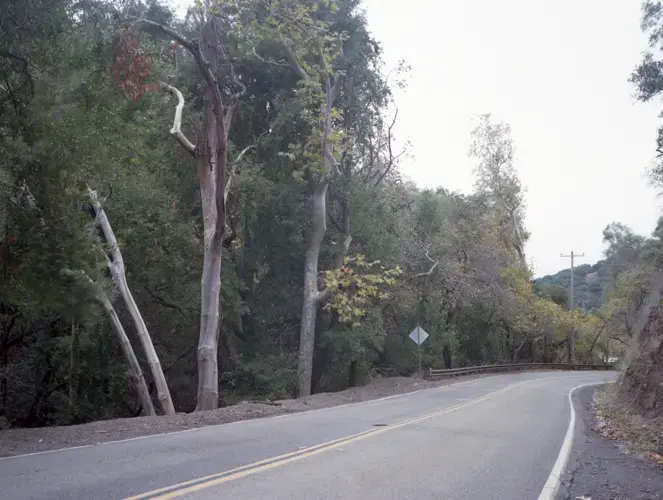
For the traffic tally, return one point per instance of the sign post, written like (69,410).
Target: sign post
(419,336)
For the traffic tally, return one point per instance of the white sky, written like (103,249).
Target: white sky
(557,72)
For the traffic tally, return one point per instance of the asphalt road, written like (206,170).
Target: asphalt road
(492,438)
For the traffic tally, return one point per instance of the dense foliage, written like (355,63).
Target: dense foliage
(88,93)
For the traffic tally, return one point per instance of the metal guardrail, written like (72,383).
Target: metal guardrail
(469,370)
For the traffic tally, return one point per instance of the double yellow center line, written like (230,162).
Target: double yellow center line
(194,485)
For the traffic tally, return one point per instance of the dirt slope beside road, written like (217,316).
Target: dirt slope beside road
(20,441)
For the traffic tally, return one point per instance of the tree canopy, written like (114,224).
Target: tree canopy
(220,200)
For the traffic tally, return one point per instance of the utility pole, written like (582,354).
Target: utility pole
(572,339)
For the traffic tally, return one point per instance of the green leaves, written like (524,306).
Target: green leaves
(357,285)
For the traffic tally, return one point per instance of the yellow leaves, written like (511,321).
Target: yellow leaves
(356,285)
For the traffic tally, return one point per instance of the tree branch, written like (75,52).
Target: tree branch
(294,63)
(333,171)
(392,158)
(176,131)
(430,271)
(619,340)
(270,62)
(183,41)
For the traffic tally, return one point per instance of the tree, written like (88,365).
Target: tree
(118,275)
(497,179)
(211,155)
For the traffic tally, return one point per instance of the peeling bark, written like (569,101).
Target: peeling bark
(214,176)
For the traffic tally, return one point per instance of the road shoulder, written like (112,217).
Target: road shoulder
(602,469)
(23,441)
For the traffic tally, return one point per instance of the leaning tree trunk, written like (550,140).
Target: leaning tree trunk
(118,274)
(135,372)
(210,289)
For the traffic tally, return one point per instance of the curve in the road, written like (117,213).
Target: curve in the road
(549,491)
(195,485)
(494,438)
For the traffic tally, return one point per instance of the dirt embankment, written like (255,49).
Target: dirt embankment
(633,411)
(20,441)
(641,386)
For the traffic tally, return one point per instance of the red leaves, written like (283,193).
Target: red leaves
(131,66)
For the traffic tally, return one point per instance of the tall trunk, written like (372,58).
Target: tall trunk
(4,347)
(517,351)
(212,175)
(40,395)
(163,393)
(118,274)
(208,340)
(312,296)
(211,154)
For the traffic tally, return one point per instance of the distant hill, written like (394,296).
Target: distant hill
(590,285)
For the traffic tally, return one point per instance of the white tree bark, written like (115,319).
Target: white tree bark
(118,275)
(312,295)
(135,371)
(214,179)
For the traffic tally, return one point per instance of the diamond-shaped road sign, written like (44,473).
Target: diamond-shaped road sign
(418,335)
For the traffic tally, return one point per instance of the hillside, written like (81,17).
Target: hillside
(590,285)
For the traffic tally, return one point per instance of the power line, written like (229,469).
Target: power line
(572,339)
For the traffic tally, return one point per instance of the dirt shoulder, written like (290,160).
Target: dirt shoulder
(602,466)
(20,441)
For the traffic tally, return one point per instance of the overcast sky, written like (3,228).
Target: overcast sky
(557,72)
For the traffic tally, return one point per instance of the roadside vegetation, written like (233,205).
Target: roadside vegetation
(196,212)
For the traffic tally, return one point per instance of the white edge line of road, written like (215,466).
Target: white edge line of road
(294,414)
(549,491)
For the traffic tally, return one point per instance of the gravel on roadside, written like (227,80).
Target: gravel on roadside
(604,469)
(21,441)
